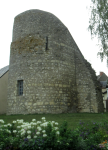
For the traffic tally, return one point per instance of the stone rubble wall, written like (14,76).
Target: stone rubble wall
(56,79)
(89,92)
(47,75)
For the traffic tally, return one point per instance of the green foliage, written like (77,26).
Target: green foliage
(3,139)
(93,140)
(63,129)
(6,140)
(98,25)
(49,129)
(95,127)
(103,135)
(85,137)
(32,144)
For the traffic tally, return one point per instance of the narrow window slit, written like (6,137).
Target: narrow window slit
(20,87)
(46,43)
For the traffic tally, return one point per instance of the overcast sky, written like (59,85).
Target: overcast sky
(73,13)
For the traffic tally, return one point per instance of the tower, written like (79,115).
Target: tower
(45,68)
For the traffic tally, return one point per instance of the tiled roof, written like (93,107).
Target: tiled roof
(3,71)
(103,77)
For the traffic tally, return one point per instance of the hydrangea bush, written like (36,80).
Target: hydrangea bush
(46,135)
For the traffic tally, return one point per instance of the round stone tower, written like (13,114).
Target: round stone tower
(47,72)
(42,67)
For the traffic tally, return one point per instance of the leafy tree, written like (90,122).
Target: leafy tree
(98,25)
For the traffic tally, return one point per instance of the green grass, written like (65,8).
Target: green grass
(72,119)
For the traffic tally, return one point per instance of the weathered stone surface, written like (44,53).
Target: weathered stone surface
(56,77)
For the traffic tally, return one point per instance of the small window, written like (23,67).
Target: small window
(20,87)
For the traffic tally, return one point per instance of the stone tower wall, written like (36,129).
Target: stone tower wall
(47,74)
(88,90)
(45,56)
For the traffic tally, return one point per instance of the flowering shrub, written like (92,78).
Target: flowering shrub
(20,130)
(36,135)
(43,135)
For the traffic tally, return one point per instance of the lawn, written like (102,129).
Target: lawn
(72,119)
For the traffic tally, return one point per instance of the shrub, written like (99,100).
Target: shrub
(43,135)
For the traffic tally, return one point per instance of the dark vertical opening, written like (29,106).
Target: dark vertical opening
(20,87)
(46,43)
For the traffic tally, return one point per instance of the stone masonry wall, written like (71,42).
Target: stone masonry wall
(54,72)
(47,74)
(89,92)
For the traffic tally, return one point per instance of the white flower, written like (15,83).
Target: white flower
(5,125)
(34,124)
(23,130)
(39,128)
(44,135)
(33,120)
(20,121)
(1,121)
(8,131)
(39,122)
(14,131)
(14,121)
(29,137)
(29,127)
(35,136)
(26,123)
(29,132)
(55,128)
(53,121)
(18,127)
(58,132)
(44,124)
(22,133)
(22,126)
(56,123)
(31,123)
(43,118)
(43,131)
(37,133)
(9,124)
